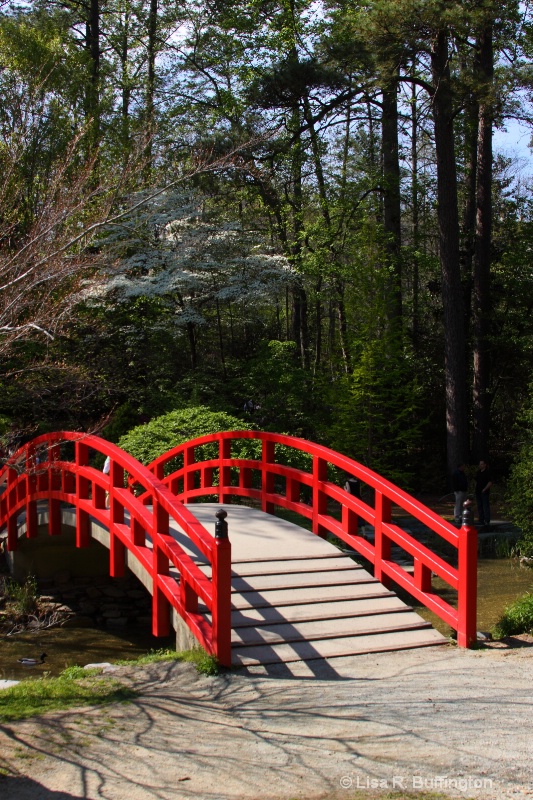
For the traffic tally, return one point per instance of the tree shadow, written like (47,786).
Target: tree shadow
(27,789)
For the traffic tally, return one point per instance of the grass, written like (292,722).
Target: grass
(20,598)
(74,687)
(204,663)
(517,618)
(77,686)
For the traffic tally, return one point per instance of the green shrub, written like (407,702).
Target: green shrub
(147,442)
(517,618)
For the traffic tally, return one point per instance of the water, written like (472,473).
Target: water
(501,581)
(70,647)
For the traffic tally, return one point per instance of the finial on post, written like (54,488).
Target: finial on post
(467,513)
(221,526)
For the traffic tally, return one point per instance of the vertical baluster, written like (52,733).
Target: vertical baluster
(31,488)
(422,576)
(292,492)
(188,481)
(224,471)
(82,493)
(160,566)
(54,485)
(117,549)
(267,477)
(382,543)
(11,492)
(320,500)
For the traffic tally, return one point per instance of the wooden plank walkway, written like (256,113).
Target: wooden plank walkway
(296,597)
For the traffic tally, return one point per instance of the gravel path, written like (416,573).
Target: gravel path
(441,719)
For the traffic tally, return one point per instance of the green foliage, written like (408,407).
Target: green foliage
(21,597)
(75,672)
(204,663)
(153,657)
(5,424)
(378,414)
(520,485)
(280,387)
(147,442)
(517,618)
(32,697)
(122,421)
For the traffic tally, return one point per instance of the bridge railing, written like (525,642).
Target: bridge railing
(55,468)
(300,476)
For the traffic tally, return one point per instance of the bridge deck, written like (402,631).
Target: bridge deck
(296,597)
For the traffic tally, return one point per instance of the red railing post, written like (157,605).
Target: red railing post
(467,590)
(224,473)
(11,492)
(31,485)
(320,499)
(117,548)
(267,478)
(350,521)
(82,493)
(160,566)
(221,583)
(188,480)
(382,544)
(422,576)
(55,483)
(207,478)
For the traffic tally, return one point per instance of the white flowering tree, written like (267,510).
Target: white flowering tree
(203,268)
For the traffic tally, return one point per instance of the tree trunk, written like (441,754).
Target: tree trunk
(415,216)
(448,221)
(126,88)
(481,305)
(300,325)
(391,204)
(150,81)
(93,88)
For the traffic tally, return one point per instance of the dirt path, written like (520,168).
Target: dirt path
(441,720)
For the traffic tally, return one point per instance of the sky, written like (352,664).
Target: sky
(514,143)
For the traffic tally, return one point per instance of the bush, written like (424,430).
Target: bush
(517,618)
(147,442)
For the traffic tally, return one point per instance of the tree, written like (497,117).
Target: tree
(198,264)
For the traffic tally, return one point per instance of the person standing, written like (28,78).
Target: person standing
(460,488)
(107,470)
(483,485)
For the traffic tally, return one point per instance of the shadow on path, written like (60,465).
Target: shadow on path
(26,788)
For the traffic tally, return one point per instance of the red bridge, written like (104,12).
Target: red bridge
(239,608)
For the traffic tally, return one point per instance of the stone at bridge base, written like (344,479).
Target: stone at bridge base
(184,637)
